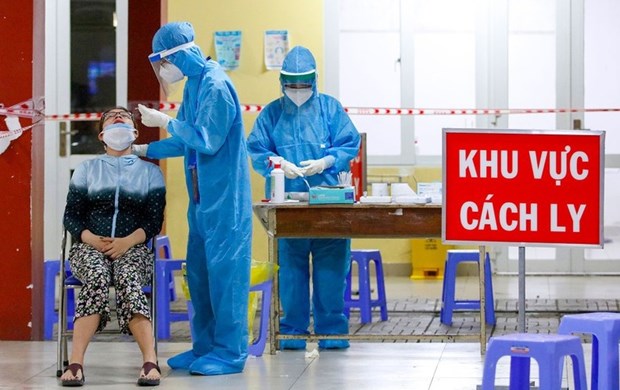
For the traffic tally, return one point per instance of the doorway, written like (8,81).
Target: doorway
(87,40)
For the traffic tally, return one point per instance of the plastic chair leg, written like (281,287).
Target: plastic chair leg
(520,373)
(364,291)
(488,292)
(50,316)
(381,297)
(258,347)
(448,299)
(163,304)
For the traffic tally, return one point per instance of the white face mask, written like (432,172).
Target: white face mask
(170,73)
(298,95)
(119,136)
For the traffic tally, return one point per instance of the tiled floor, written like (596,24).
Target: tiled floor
(366,365)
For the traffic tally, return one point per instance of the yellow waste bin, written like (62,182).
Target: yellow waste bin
(428,258)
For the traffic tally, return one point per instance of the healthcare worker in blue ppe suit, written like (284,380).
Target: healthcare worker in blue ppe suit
(208,133)
(317,140)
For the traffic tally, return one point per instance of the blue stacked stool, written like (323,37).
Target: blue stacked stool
(605,330)
(548,350)
(165,266)
(51,269)
(449,302)
(163,250)
(365,302)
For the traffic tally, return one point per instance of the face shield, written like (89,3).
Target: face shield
(298,86)
(303,80)
(166,72)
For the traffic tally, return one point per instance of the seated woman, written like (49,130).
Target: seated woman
(115,205)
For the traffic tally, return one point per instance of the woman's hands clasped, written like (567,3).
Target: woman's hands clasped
(113,247)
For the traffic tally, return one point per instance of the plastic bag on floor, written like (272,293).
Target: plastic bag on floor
(261,271)
(184,281)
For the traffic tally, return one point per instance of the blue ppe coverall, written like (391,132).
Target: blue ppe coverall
(208,132)
(318,128)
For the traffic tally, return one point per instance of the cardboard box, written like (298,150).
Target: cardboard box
(331,194)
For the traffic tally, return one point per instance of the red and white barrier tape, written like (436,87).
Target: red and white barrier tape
(12,133)
(24,109)
(468,111)
(28,112)
(250,108)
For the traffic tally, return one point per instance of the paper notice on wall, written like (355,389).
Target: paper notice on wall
(276,47)
(228,48)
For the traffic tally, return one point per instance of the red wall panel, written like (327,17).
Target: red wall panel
(16,64)
(142,85)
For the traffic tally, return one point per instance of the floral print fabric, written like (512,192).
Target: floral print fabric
(127,274)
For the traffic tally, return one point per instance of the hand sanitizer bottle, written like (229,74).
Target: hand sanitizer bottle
(277,180)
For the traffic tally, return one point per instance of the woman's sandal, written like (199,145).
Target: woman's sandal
(74,368)
(146,368)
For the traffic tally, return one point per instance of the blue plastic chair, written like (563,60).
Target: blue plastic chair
(605,330)
(449,302)
(549,351)
(365,302)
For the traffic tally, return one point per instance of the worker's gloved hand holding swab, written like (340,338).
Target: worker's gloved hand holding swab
(291,171)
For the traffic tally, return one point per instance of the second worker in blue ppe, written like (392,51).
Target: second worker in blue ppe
(208,133)
(317,140)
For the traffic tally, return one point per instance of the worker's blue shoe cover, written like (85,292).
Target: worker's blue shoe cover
(333,344)
(292,344)
(182,360)
(212,365)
